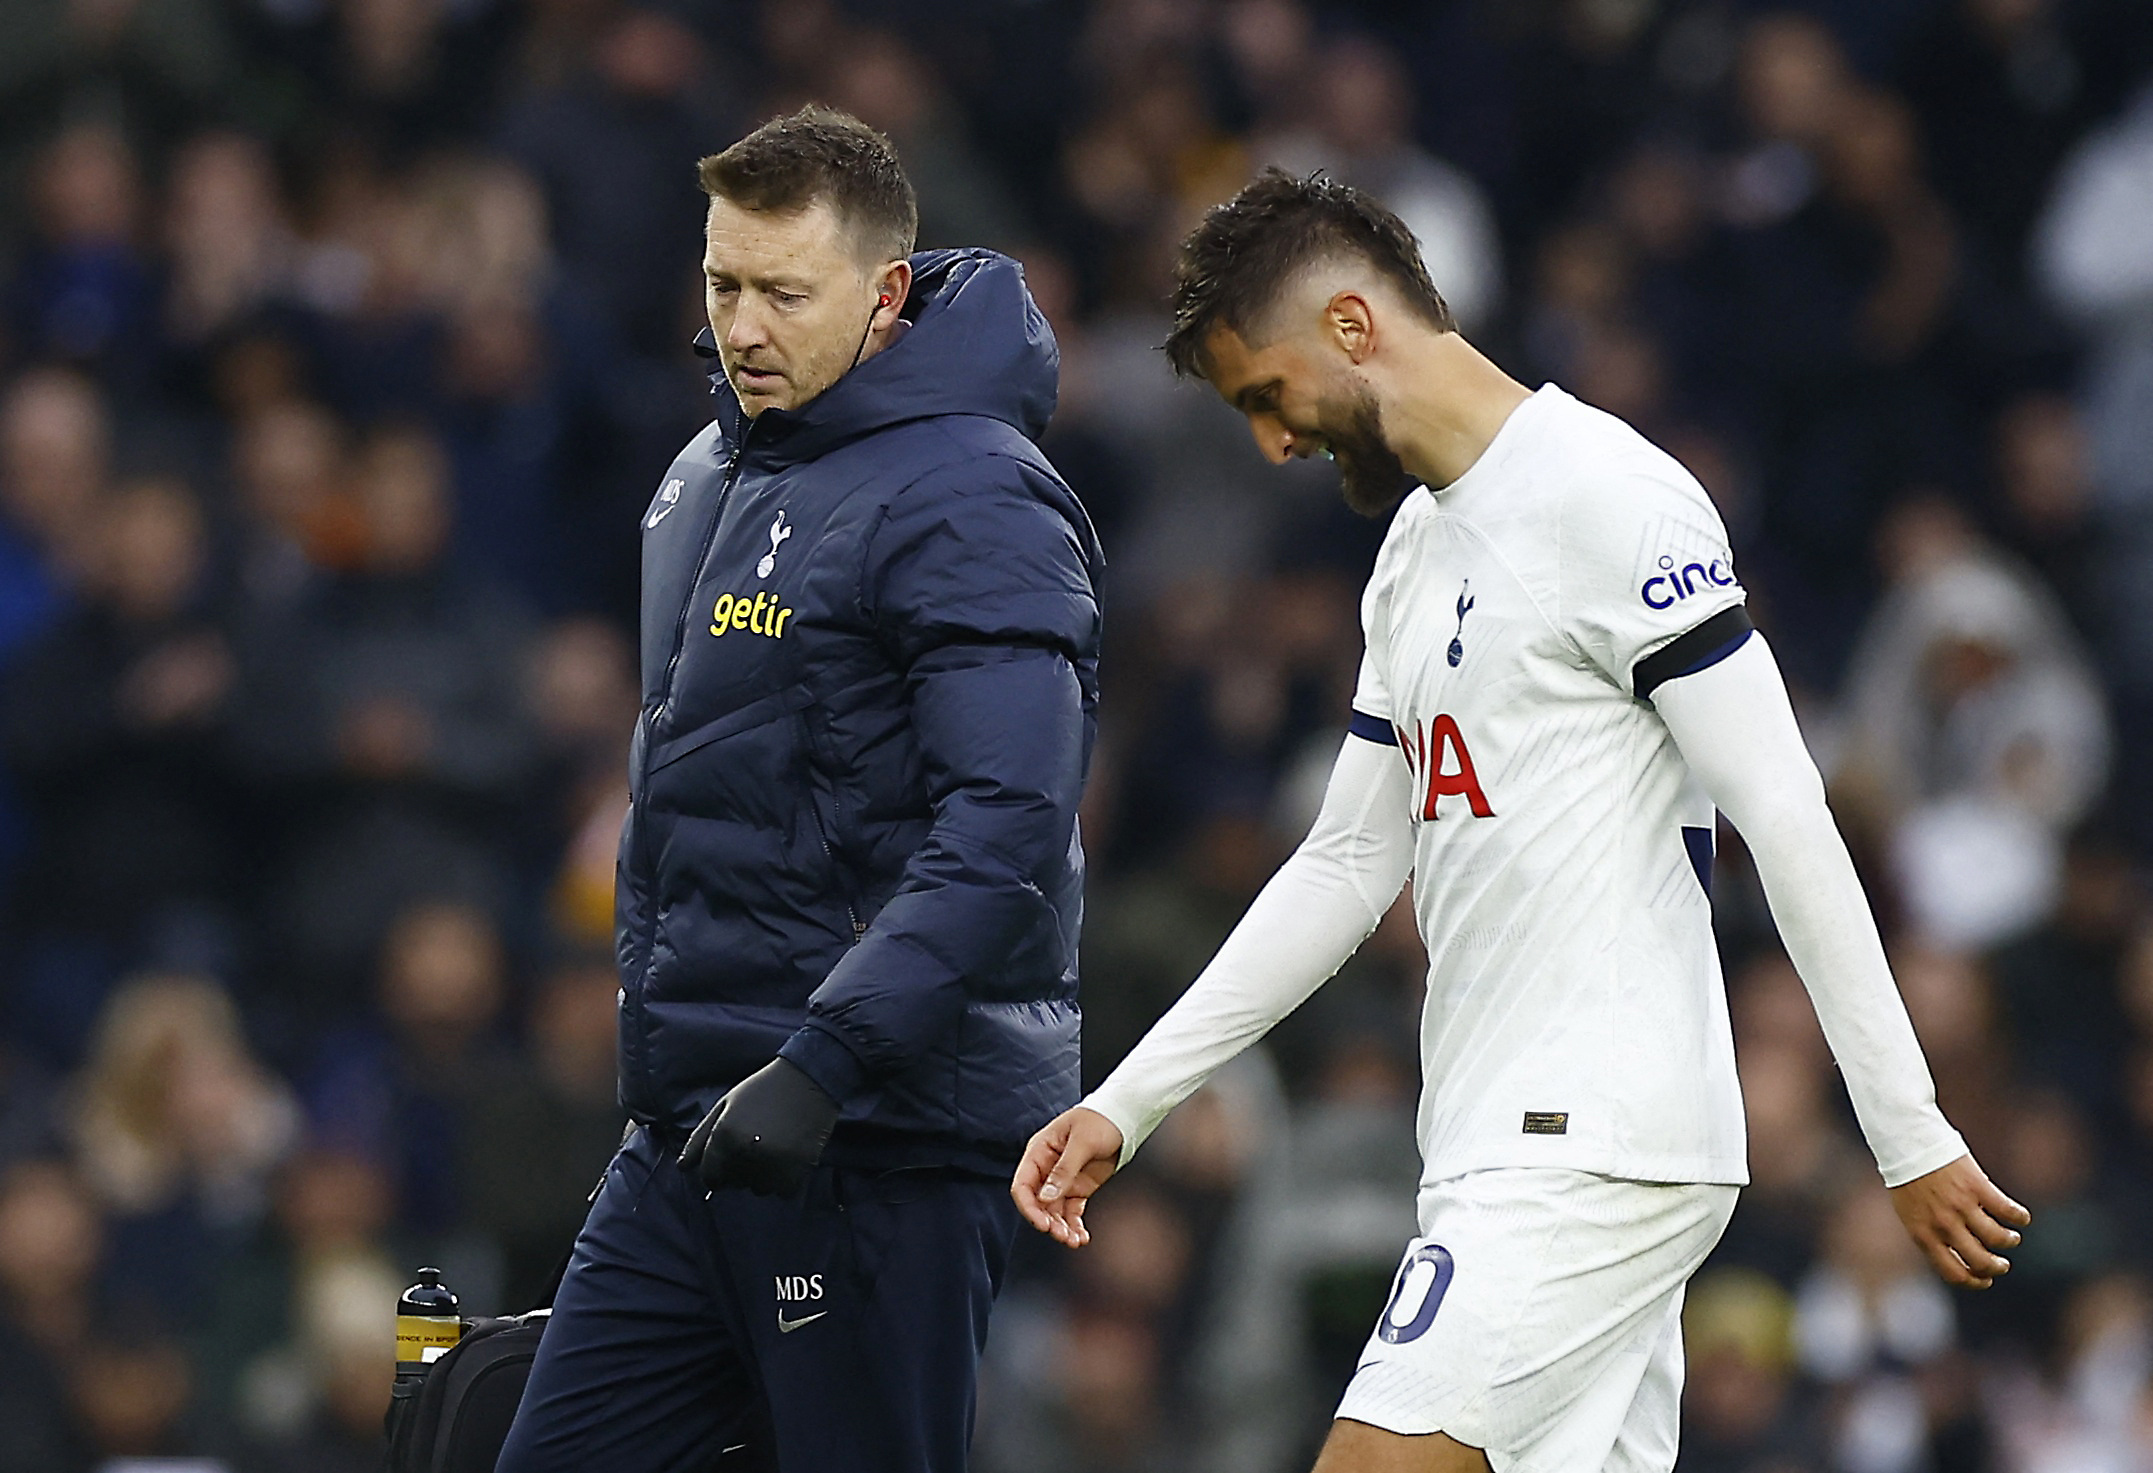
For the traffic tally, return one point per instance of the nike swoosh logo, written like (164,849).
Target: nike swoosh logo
(786,1326)
(661,514)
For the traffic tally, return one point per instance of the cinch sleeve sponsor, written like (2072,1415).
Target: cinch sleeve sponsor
(1645,560)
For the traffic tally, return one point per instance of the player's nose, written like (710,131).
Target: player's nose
(1272,438)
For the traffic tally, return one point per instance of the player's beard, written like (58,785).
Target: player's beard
(1370,475)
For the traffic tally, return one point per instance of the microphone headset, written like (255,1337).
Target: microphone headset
(865,332)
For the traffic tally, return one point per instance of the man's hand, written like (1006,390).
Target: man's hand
(1959,1218)
(766,1135)
(1065,1163)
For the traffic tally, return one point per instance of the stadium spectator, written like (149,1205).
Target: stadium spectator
(321,1261)
(51,1246)
(879,78)
(390,701)
(1977,733)
(2054,1150)
(1149,160)
(346,1318)
(2097,266)
(2004,87)
(294,515)
(2092,261)
(154,70)
(230,248)
(130,1390)
(605,143)
(177,1128)
(517,364)
(115,725)
(55,458)
(1794,1182)
(402,1094)
(1743,1409)
(547,1116)
(84,286)
(1304,1257)
(2060,988)
(2048,510)
(1867,1302)
(581,689)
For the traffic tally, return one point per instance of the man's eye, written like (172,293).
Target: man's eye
(722,288)
(790,299)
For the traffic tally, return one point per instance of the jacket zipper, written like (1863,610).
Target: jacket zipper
(822,837)
(702,565)
(680,644)
(859,927)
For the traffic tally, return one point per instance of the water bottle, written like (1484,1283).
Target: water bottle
(427,1325)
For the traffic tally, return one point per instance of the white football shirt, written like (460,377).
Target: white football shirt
(1575,1015)
(1559,841)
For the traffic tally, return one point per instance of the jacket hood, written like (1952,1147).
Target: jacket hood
(977,344)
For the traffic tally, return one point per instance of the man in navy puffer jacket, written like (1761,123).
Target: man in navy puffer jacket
(850,881)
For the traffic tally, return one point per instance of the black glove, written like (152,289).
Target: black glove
(766,1135)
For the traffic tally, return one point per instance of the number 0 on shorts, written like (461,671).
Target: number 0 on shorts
(1423,1279)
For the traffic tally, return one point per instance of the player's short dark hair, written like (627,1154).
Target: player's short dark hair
(821,154)
(1235,262)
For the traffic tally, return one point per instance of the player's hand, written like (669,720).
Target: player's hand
(1065,1163)
(1962,1221)
(767,1134)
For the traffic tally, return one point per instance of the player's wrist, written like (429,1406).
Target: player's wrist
(1125,1116)
(1900,1168)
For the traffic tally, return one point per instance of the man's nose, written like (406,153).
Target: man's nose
(746,330)
(1272,438)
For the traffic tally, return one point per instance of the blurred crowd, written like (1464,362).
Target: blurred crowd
(342,343)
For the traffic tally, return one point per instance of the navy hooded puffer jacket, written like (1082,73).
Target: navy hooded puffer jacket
(869,664)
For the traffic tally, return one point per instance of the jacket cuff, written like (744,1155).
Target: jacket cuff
(824,1057)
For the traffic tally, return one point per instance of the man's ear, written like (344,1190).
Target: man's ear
(893,283)
(1351,324)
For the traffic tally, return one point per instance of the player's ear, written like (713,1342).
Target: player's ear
(1351,324)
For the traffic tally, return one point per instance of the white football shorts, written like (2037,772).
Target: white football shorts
(1539,1316)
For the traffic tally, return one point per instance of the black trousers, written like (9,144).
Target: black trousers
(837,1332)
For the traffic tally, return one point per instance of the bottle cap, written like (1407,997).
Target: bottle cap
(429,1296)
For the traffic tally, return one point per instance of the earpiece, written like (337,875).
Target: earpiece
(867,331)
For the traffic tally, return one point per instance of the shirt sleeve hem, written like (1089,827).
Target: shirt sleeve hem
(1124,1118)
(1701,647)
(1910,1168)
(1372,728)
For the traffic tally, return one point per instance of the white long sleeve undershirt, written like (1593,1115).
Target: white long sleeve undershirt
(1315,912)
(1736,729)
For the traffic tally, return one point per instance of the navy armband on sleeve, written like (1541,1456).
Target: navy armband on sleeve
(1686,654)
(1373,729)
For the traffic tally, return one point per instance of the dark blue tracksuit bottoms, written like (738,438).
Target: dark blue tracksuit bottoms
(837,1332)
